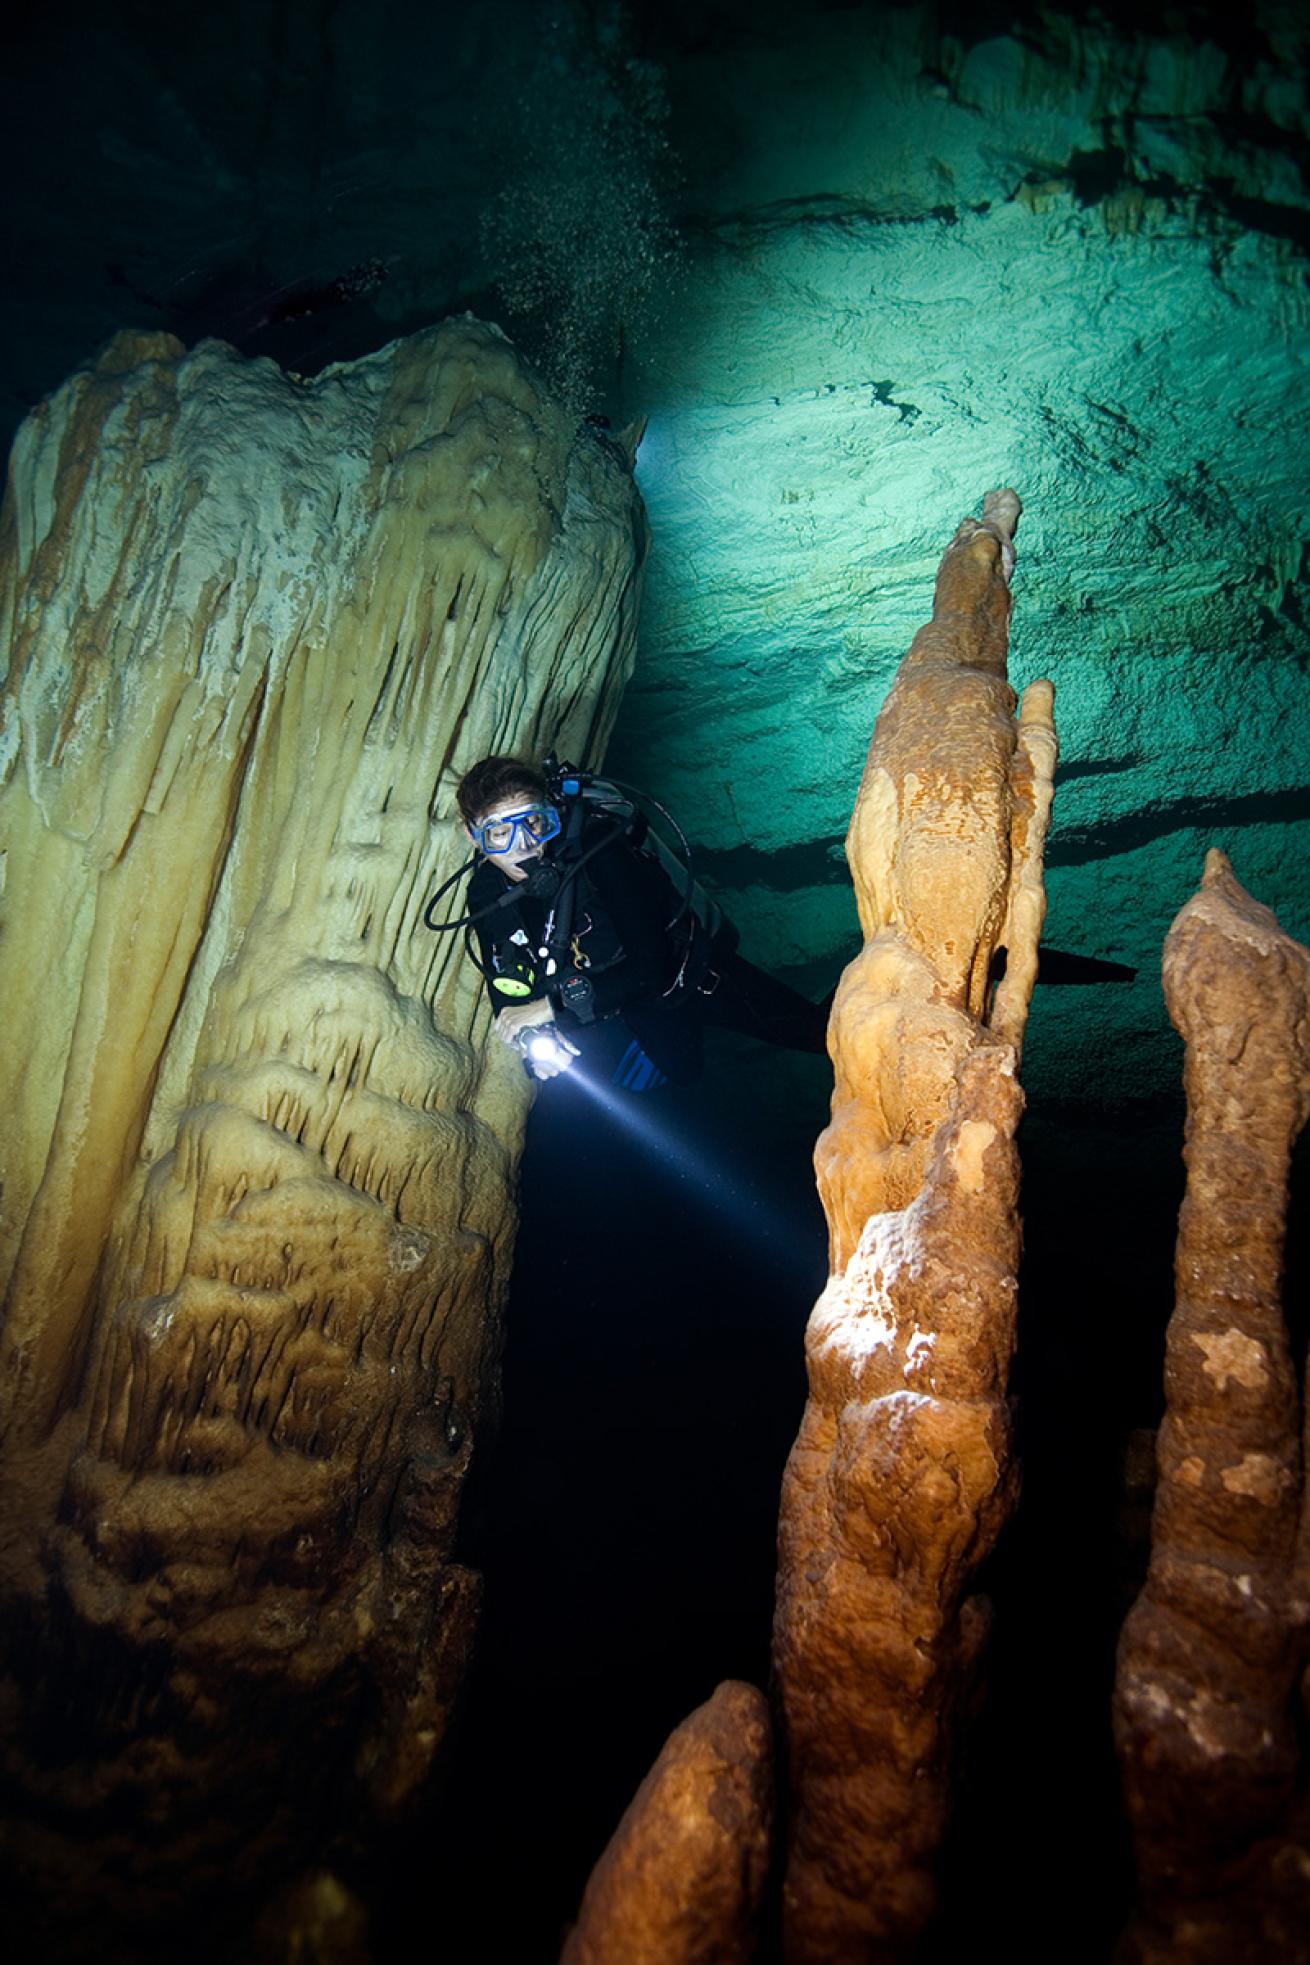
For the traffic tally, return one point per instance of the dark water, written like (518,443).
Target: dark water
(670,1251)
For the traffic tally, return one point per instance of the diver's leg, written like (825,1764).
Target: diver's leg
(752,1001)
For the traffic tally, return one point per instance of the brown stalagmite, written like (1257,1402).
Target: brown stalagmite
(259,1160)
(1205,1701)
(681,1879)
(901,1475)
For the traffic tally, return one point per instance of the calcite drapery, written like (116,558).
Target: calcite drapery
(681,1880)
(259,1159)
(1211,1652)
(901,1476)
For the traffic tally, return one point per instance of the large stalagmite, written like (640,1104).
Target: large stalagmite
(258,1158)
(1209,1661)
(901,1474)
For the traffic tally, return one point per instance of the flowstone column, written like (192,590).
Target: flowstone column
(1211,1656)
(259,1158)
(901,1474)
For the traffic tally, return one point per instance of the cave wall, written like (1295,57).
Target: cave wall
(851,261)
(1061,256)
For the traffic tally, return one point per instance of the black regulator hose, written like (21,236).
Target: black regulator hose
(547,888)
(444,927)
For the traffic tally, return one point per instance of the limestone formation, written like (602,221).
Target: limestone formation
(901,1475)
(1211,1654)
(259,1158)
(681,1879)
(945,840)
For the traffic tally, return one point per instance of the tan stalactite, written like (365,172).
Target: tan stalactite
(681,1880)
(901,1475)
(258,1182)
(1211,1653)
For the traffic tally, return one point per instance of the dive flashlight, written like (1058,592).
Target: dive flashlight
(542,1045)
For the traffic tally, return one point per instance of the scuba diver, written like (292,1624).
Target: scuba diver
(594,937)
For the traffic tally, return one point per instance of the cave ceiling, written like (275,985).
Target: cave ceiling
(855,266)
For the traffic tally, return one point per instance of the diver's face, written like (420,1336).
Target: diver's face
(525,850)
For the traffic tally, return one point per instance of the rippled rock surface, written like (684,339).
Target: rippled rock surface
(259,1164)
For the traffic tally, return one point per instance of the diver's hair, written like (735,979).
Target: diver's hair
(494,779)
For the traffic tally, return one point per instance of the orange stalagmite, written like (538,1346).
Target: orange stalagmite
(681,1880)
(1206,1696)
(901,1475)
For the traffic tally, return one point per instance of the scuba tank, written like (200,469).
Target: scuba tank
(616,800)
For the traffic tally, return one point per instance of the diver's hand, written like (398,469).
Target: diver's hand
(519,1017)
(546,1053)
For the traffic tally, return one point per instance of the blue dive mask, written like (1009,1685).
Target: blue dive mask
(533,825)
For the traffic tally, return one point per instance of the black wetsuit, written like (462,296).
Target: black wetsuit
(659,979)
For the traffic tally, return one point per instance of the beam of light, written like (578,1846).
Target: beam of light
(756,1216)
